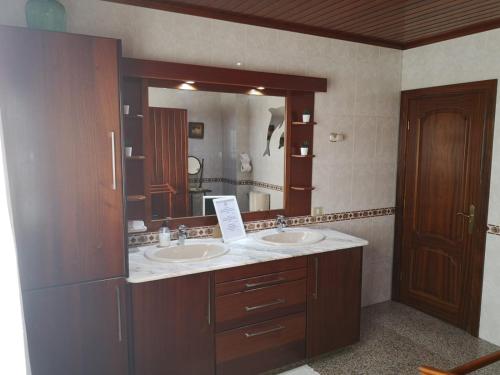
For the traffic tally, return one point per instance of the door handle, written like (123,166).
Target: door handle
(113,160)
(316,276)
(471,217)
(119,313)
(277,302)
(276,329)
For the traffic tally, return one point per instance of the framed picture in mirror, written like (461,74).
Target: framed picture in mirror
(196,130)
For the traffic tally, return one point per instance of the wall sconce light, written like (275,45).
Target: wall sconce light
(337,137)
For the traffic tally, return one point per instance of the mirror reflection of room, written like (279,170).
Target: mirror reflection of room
(235,147)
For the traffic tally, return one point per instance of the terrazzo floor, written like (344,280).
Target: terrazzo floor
(396,340)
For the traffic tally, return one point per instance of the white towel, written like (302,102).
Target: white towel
(246,165)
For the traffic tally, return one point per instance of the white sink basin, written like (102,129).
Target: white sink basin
(290,237)
(186,253)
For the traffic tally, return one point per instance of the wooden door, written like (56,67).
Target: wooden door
(168,154)
(173,326)
(78,329)
(333,300)
(442,199)
(60,111)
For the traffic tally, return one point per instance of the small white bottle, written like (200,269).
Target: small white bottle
(164,235)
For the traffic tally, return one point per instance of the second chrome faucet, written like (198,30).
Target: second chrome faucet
(182,234)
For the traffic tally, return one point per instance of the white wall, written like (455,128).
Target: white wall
(362,101)
(471,58)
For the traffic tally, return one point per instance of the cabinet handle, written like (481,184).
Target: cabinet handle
(276,329)
(113,160)
(119,313)
(209,313)
(277,302)
(316,271)
(263,283)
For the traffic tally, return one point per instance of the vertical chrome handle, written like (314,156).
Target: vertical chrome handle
(113,160)
(316,270)
(209,312)
(119,313)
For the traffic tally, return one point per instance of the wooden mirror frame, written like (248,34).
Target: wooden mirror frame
(138,75)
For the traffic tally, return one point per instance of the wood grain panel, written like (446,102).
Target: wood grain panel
(172,325)
(60,104)
(444,168)
(238,309)
(260,347)
(78,329)
(396,24)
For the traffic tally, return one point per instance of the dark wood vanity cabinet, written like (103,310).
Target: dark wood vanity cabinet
(60,112)
(333,300)
(247,320)
(173,326)
(77,329)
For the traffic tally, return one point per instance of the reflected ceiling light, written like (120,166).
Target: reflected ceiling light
(261,88)
(255,92)
(190,82)
(186,86)
(239,63)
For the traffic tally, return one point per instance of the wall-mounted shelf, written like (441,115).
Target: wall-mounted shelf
(135,157)
(303,123)
(136,198)
(302,188)
(303,156)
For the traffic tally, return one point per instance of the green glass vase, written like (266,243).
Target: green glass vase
(46,15)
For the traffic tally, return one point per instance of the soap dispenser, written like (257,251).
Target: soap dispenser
(164,235)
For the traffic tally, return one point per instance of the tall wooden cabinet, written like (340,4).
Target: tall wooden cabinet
(59,103)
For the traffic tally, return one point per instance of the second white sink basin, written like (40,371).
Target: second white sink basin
(289,237)
(186,253)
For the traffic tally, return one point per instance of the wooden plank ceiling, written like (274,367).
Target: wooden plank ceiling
(398,24)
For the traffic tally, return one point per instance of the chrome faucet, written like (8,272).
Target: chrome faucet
(280,223)
(182,234)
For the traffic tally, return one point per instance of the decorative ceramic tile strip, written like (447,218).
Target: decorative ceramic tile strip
(253,226)
(494,229)
(260,184)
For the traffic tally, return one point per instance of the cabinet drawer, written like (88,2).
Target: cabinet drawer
(261,347)
(258,269)
(235,310)
(260,281)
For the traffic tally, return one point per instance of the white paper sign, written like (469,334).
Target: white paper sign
(229,216)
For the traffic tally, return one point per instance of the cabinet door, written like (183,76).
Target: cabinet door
(334,300)
(77,329)
(173,326)
(59,104)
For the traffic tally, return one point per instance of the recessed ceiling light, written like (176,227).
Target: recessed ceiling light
(261,88)
(239,63)
(186,86)
(254,92)
(190,82)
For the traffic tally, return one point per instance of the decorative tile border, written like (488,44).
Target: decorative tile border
(253,226)
(224,180)
(494,229)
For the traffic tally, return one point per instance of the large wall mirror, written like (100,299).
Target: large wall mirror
(235,146)
(193,133)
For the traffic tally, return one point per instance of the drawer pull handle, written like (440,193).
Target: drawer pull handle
(277,302)
(254,334)
(263,283)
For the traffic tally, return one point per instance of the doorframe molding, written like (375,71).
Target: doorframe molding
(474,273)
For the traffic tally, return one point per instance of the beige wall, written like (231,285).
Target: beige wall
(472,58)
(362,101)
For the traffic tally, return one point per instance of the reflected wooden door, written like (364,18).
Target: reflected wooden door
(443,188)
(168,154)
